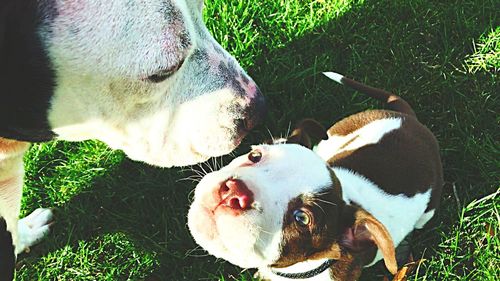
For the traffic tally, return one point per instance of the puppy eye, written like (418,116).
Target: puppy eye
(255,156)
(301,217)
(163,74)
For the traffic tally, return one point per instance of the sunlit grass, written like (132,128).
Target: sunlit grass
(486,54)
(122,220)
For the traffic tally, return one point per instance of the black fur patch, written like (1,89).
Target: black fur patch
(7,256)
(26,76)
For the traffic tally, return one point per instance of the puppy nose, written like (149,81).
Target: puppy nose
(236,195)
(254,113)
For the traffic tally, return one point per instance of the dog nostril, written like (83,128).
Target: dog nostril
(236,195)
(235,203)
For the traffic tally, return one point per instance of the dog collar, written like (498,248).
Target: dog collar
(308,274)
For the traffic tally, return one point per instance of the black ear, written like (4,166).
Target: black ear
(306,131)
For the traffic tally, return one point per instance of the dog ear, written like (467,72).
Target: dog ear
(305,130)
(365,232)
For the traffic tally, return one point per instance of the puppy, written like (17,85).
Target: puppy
(295,213)
(145,77)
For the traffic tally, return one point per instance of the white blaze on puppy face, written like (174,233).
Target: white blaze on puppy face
(104,53)
(252,238)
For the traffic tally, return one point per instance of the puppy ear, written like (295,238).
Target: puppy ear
(367,231)
(305,130)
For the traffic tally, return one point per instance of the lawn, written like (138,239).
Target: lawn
(122,220)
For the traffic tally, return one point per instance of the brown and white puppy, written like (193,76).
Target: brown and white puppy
(143,76)
(295,213)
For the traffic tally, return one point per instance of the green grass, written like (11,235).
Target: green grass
(122,220)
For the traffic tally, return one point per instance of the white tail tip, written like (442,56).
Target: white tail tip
(334,76)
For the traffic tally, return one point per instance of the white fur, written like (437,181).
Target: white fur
(368,134)
(398,213)
(422,221)
(102,51)
(33,228)
(252,239)
(334,76)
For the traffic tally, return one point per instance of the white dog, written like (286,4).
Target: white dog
(142,76)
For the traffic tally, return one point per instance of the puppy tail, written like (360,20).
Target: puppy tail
(7,253)
(393,101)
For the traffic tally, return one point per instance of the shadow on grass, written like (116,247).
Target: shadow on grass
(414,49)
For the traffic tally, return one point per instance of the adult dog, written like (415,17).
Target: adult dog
(142,76)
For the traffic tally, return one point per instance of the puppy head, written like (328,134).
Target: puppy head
(279,206)
(269,178)
(145,77)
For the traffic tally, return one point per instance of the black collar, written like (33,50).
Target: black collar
(308,274)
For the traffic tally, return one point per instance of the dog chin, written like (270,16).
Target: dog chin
(220,234)
(237,237)
(178,155)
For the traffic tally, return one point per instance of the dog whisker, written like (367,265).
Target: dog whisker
(204,172)
(192,177)
(189,253)
(271,135)
(319,206)
(189,179)
(325,201)
(264,231)
(197,173)
(191,196)
(289,129)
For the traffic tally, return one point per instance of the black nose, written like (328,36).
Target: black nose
(254,113)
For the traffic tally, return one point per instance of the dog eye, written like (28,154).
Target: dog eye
(255,156)
(301,217)
(163,74)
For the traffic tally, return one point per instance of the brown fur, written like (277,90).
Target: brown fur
(337,231)
(307,130)
(392,101)
(412,141)
(8,146)
(347,233)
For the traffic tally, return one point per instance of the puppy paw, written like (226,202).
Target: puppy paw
(33,228)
